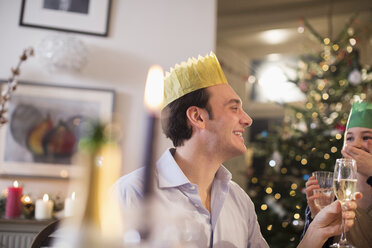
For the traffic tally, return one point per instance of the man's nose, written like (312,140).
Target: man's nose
(246,120)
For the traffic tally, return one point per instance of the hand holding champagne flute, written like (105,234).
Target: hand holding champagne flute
(344,186)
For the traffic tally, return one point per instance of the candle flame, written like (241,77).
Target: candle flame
(27,199)
(16,184)
(154,90)
(73,196)
(46,197)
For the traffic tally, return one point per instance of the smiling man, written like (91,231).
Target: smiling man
(203,117)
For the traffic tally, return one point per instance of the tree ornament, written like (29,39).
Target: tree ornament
(303,86)
(350,31)
(355,77)
(276,159)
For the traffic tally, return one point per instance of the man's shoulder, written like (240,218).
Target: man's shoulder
(129,184)
(238,193)
(236,188)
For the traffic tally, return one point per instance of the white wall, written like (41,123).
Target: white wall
(141,33)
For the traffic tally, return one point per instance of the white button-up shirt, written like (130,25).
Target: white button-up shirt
(231,223)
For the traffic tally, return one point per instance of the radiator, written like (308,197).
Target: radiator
(16,239)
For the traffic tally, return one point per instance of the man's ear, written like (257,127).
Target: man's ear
(196,116)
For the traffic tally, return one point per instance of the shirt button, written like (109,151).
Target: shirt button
(192,187)
(196,205)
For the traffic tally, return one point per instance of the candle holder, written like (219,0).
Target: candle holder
(28,210)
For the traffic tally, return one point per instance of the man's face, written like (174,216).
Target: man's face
(360,137)
(225,130)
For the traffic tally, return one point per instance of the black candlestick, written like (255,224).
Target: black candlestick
(149,156)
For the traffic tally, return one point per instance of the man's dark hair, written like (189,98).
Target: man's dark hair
(174,119)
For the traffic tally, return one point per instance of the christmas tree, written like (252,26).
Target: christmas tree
(311,135)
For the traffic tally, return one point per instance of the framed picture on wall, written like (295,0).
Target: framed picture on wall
(79,16)
(45,125)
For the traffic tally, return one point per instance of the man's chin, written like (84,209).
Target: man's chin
(242,150)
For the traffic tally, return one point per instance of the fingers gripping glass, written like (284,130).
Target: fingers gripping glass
(344,186)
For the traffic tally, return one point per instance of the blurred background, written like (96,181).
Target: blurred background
(297,66)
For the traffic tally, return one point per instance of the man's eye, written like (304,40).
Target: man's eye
(367,137)
(349,138)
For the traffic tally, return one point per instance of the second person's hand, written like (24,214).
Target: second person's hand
(312,184)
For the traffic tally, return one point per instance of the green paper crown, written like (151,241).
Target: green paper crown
(360,115)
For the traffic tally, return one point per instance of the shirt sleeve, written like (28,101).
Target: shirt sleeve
(255,238)
(308,221)
(128,191)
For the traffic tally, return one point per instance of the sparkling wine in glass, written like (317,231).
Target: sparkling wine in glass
(344,186)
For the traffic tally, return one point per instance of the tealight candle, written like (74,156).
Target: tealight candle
(13,201)
(26,200)
(28,207)
(43,208)
(70,205)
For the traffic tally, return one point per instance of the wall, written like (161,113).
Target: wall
(141,33)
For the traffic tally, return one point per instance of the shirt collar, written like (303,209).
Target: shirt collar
(170,175)
(223,174)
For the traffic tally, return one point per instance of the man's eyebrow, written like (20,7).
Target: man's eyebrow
(237,101)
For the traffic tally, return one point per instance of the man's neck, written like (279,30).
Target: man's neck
(199,167)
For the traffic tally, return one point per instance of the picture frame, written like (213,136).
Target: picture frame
(89,17)
(45,125)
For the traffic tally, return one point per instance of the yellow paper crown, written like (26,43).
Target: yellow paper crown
(192,75)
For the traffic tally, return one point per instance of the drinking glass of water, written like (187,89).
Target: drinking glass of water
(324,193)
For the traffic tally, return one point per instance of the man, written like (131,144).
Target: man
(203,117)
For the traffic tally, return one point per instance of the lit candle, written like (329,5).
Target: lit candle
(154,95)
(70,205)
(43,208)
(26,200)
(13,201)
(28,208)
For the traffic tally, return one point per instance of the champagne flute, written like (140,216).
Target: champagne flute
(344,186)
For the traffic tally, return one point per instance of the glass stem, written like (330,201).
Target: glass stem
(343,234)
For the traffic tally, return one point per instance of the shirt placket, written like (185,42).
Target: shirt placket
(191,192)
